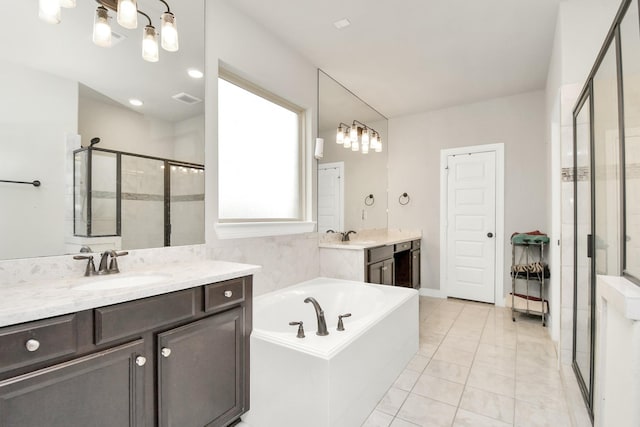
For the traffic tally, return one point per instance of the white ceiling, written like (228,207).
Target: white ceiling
(407,56)
(118,72)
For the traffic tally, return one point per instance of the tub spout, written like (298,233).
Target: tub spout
(322,324)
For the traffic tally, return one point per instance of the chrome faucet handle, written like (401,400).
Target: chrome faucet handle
(340,323)
(113,265)
(300,328)
(91,267)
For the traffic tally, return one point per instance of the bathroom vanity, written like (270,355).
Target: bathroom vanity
(178,357)
(386,258)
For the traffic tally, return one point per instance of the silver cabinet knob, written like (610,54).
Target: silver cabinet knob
(141,360)
(32,345)
(165,352)
(228,294)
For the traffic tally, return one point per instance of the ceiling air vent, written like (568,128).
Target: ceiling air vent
(186,98)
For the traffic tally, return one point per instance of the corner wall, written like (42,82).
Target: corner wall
(414,165)
(248,50)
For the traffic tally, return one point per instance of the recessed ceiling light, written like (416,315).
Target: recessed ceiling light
(195,73)
(136,102)
(342,23)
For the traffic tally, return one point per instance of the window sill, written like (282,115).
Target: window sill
(240,230)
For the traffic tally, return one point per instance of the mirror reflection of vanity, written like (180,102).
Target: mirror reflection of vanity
(362,178)
(60,91)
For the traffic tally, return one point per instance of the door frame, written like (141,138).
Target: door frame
(498,149)
(340,166)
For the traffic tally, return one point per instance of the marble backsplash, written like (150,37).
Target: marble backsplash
(60,267)
(376,234)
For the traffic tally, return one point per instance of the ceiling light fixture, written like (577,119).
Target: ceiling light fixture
(194,73)
(136,102)
(359,137)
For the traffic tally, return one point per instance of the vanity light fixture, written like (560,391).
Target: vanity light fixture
(68,4)
(150,51)
(168,30)
(359,137)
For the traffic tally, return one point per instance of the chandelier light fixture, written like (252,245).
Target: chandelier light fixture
(127,17)
(359,137)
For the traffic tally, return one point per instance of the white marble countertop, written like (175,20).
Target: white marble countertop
(373,242)
(41,299)
(621,293)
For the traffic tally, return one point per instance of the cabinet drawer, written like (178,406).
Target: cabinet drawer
(379,254)
(415,244)
(402,246)
(47,339)
(224,294)
(130,318)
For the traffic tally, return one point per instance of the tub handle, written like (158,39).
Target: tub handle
(300,328)
(340,323)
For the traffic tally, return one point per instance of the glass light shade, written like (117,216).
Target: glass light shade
(69,4)
(49,11)
(354,133)
(128,14)
(365,148)
(378,148)
(169,32)
(102,28)
(365,137)
(374,140)
(355,146)
(340,136)
(150,44)
(347,141)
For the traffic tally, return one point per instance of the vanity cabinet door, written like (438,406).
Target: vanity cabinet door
(104,389)
(202,368)
(382,273)
(415,269)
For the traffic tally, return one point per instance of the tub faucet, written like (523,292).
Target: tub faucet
(322,324)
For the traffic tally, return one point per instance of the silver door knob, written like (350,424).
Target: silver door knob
(228,294)
(141,360)
(165,352)
(32,345)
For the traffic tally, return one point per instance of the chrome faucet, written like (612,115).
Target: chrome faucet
(345,235)
(322,324)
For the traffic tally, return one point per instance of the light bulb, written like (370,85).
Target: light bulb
(340,136)
(69,4)
(169,32)
(150,44)
(49,11)
(347,141)
(102,28)
(354,133)
(128,14)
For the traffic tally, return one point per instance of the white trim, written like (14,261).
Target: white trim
(239,230)
(340,166)
(433,293)
(499,233)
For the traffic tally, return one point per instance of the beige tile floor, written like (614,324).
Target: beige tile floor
(475,367)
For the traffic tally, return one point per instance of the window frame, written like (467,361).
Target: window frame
(256,227)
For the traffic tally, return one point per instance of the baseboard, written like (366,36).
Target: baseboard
(433,293)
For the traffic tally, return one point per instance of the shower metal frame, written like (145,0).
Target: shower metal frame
(167,189)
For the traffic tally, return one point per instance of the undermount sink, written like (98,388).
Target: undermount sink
(131,281)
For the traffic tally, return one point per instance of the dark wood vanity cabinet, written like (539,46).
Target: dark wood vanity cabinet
(396,265)
(178,359)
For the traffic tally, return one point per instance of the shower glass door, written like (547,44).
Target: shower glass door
(583,274)
(185,216)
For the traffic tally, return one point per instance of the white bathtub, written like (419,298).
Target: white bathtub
(334,380)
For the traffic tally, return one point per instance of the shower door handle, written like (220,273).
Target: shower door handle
(589,246)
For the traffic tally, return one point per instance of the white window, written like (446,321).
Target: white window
(260,155)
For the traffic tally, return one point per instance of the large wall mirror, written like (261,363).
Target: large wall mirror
(352,184)
(141,183)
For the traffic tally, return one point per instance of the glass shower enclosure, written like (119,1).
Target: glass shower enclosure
(146,201)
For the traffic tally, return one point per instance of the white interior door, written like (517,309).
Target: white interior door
(471,226)
(330,197)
